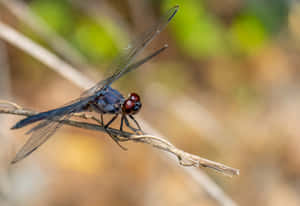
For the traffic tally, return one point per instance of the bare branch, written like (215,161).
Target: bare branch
(15,38)
(60,45)
(185,159)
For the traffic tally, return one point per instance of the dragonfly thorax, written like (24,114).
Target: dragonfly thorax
(110,101)
(132,104)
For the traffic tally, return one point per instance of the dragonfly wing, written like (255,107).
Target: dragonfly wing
(123,62)
(94,89)
(46,128)
(39,135)
(142,42)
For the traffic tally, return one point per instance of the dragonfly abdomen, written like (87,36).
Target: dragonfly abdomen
(30,120)
(45,115)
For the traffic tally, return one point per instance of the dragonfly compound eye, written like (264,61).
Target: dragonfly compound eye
(131,107)
(137,106)
(134,97)
(127,106)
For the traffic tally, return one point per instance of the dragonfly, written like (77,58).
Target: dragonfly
(101,98)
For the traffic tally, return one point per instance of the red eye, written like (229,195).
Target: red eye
(131,107)
(127,106)
(134,97)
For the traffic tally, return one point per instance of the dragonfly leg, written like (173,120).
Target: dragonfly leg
(111,121)
(137,124)
(132,128)
(114,137)
(121,125)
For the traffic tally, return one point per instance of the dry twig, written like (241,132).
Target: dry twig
(185,159)
(15,38)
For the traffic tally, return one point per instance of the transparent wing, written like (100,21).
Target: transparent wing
(124,61)
(47,127)
(39,135)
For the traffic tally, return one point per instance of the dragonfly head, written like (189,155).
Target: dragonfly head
(132,104)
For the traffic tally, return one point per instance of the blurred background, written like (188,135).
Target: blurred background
(227,89)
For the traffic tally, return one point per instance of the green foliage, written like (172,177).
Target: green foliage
(272,13)
(97,42)
(247,34)
(56,13)
(94,41)
(257,21)
(200,34)
(197,32)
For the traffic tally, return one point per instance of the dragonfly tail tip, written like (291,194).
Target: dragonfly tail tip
(15,126)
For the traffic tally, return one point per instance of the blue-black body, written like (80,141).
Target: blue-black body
(109,101)
(105,101)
